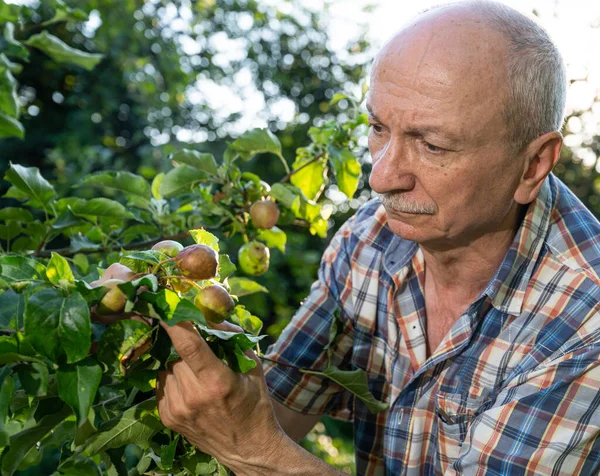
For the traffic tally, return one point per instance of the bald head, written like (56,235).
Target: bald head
(486,46)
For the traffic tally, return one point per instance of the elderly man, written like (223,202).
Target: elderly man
(470,293)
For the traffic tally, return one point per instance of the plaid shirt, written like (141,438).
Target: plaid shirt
(512,389)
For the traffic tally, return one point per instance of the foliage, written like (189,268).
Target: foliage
(76,386)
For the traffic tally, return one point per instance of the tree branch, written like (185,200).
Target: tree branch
(132,246)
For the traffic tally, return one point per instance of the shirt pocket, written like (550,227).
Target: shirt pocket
(454,414)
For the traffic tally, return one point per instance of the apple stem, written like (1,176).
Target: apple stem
(159,264)
(194,283)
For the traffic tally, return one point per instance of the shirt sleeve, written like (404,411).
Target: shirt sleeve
(547,422)
(302,343)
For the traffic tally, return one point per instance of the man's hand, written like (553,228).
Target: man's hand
(226,414)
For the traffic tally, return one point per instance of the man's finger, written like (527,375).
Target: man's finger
(191,347)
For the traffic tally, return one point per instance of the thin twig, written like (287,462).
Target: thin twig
(311,161)
(262,357)
(66,252)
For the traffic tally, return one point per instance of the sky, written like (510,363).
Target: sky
(574,25)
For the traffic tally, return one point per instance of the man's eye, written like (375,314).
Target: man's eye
(433,148)
(377,128)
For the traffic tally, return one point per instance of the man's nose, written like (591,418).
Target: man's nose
(391,168)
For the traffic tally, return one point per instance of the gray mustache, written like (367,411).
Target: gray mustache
(398,202)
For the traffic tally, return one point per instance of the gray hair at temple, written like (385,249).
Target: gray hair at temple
(536,76)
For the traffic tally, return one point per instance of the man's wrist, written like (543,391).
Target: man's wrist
(282,457)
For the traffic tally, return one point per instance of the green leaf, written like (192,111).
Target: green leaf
(138,261)
(130,288)
(311,178)
(273,238)
(226,267)
(80,260)
(203,237)
(198,463)
(8,93)
(256,141)
(101,207)
(120,341)
(136,425)
(77,386)
(60,52)
(239,361)
(181,179)
(13,47)
(10,351)
(58,270)
(347,169)
(319,227)
(337,98)
(247,321)
(244,286)
(167,453)
(55,325)
(34,378)
(201,161)
(11,230)
(231,339)
(356,382)
(9,12)
(21,443)
(10,127)
(156,183)
(12,306)
(7,385)
(169,307)
(125,182)
(21,215)
(284,194)
(20,268)
(29,181)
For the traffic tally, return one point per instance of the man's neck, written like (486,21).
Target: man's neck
(461,273)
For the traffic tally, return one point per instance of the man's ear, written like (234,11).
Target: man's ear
(541,156)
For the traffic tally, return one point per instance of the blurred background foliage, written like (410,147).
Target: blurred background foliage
(197,74)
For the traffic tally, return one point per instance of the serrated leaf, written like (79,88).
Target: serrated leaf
(21,443)
(101,207)
(12,306)
(10,230)
(181,180)
(170,308)
(138,261)
(130,288)
(244,287)
(10,127)
(203,237)
(284,194)
(7,385)
(10,351)
(136,425)
(156,183)
(356,382)
(14,213)
(119,341)
(20,268)
(80,260)
(256,141)
(273,238)
(247,321)
(29,181)
(8,93)
(347,170)
(198,160)
(167,453)
(83,243)
(9,12)
(58,270)
(77,386)
(226,267)
(311,178)
(60,52)
(125,182)
(55,324)
(34,378)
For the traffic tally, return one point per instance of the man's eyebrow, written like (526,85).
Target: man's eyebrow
(371,113)
(423,130)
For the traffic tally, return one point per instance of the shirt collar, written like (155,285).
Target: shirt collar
(507,288)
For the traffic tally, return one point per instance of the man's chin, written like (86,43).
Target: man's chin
(409,226)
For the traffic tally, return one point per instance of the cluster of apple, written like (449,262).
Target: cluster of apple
(193,263)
